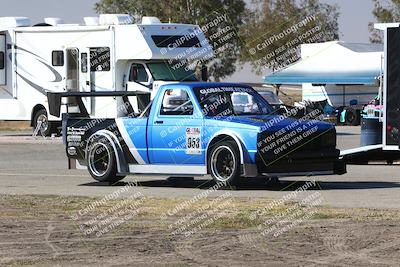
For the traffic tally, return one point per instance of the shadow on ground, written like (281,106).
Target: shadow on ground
(255,184)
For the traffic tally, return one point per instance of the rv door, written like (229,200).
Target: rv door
(78,73)
(72,77)
(84,76)
(2,59)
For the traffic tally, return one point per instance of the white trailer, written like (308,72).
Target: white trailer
(389,148)
(108,53)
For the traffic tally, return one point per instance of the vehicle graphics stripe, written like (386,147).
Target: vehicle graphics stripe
(34,85)
(128,141)
(57,76)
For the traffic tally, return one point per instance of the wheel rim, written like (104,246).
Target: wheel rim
(43,121)
(223,163)
(99,159)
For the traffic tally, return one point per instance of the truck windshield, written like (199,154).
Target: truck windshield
(163,71)
(228,101)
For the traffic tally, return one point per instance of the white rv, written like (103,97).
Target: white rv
(108,53)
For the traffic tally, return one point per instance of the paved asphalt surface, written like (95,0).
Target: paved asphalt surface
(38,166)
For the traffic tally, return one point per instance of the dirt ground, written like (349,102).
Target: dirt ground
(50,231)
(14,125)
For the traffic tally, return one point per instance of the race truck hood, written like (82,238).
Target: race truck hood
(295,139)
(279,136)
(271,123)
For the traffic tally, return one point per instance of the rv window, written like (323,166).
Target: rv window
(100,59)
(175,41)
(138,73)
(2,61)
(84,65)
(57,58)
(163,71)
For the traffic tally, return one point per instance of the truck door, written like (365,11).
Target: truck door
(85,77)
(2,59)
(175,130)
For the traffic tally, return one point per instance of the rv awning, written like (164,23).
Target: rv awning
(333,63)
(287,77)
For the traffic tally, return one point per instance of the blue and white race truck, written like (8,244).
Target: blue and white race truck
(196,128)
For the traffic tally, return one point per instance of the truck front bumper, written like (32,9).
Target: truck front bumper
(322,162)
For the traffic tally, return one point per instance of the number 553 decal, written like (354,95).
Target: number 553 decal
(193,141)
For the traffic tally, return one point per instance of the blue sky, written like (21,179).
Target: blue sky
(353,21)
(354,18)
(355,14)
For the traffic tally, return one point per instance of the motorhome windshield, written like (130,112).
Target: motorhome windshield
(163,71)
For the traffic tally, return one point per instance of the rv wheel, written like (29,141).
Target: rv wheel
(41,118)
(101,161)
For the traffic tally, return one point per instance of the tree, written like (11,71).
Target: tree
(197,12)
(276,29)
(390,12)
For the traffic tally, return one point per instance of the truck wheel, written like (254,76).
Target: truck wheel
(101,161)
(224,162)
(46,127)
(352,117)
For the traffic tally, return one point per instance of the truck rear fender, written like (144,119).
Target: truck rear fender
(122,166)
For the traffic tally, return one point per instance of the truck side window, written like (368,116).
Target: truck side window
(176,102)
(57,58)
(138,73)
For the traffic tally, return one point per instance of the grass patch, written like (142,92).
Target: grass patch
(239,213)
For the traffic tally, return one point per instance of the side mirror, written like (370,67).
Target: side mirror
(204,73)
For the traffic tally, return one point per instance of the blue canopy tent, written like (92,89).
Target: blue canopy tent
(287,76)
(333,63)
(345,75)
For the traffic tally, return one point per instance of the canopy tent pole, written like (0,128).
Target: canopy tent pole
(277,87)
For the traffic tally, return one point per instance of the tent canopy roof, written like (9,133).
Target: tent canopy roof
(333,63)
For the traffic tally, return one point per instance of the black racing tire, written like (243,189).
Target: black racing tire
(224,162)
(101,161)
(47,127)
(352,117)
